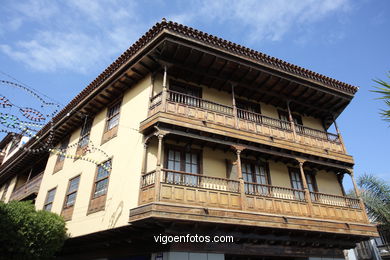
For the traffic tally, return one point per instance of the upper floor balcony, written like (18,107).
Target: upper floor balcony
(197,113)
(28,190)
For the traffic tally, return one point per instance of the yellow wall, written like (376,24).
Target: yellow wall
(327,183)
(214,162)
(10,189)
(126,151)
(312,122)
(279,174)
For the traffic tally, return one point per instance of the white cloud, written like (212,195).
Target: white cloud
(74,37)
(263,19)
(78,35)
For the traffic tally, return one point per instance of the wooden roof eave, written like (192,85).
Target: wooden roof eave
(255,64)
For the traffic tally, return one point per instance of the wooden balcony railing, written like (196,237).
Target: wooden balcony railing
(30,187)
(335,200)
(198,102)
(185,188)
(274,191)
(199,180)
(384,250)
(204,110)
(265,120)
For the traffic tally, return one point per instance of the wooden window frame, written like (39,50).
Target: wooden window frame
(251,187)
(67,211)
(248,103)
(253,164)
(62,148)
(172,84)
(183,151)
(312,175)
(108,134)
(98,203)
(183,179)
(299,196)
(51,202)
(285,113)
(81,147)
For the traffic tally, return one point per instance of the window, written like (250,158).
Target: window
(311,183)
(248,110)
(182,160)
(70,196)
(192,95)
(296,183)
(61,156)
(112,121)
(84,137)
(101,181)
(100,186)
(186,89)
(85,131)
(297,119)
(49,199)
(113,116)
(255,173)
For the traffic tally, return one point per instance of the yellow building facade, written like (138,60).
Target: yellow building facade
(186,132)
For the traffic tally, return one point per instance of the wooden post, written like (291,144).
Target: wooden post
(357,192)
(164,94)
(144,158)
(157,182)
(143,167)
(290,118)
(238,150)
(339,135)
(234,108)
(305,187)
(152,80)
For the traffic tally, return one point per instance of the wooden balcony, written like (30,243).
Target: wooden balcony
(384,251)
(185,196)
(197,113)
(29,188)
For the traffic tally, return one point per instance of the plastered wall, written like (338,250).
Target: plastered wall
(327,183)
(126,152)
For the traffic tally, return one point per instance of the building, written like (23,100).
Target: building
(187,133)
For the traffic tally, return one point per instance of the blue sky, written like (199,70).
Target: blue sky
(60,47)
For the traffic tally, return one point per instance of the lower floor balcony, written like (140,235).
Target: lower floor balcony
(187,189)
(191,178)
(384,251)
(28,190)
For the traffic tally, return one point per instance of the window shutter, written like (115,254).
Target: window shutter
(231,170)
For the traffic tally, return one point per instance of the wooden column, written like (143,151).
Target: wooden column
(234,108)
(339,135)
(144,158)
(305,187)
(238,150)
(158,174)
(290,118)
(357,192)
(143,167)
(164,94)
(152,80)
